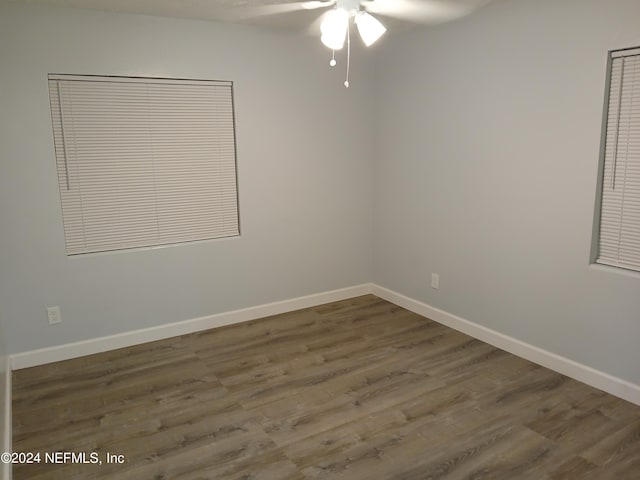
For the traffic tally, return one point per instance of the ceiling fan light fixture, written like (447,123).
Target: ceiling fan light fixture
(369,27)
(334,28)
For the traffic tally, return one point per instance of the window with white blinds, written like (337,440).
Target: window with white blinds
(619,213)
(143,162)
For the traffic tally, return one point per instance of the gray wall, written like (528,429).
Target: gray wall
(488,136)
(305,174)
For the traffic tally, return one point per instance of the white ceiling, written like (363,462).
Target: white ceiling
(277,13)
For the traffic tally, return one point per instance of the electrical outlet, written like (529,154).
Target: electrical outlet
(54,315)
(435,281)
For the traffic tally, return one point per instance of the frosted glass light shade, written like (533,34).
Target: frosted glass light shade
(334,28)
(370,28)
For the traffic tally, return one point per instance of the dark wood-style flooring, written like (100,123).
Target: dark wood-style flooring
(357,389)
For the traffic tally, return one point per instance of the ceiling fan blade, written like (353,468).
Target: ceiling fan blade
(417,11)
(314,4)
(244,12)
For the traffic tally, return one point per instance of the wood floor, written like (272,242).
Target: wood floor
(358,389)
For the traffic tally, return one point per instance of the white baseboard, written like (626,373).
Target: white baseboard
(5,468)
(160,332)
(603,381)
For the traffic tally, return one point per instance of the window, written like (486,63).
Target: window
(143,162)
(618,215)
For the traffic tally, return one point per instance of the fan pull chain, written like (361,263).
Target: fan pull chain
(346,82)
(333,58)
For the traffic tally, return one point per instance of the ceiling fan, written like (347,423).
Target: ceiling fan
(336,21)
(335,25)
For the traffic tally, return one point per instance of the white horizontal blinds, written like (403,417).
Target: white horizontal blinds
(619,241)
(144,162)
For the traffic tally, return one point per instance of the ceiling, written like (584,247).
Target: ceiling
(271,13)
